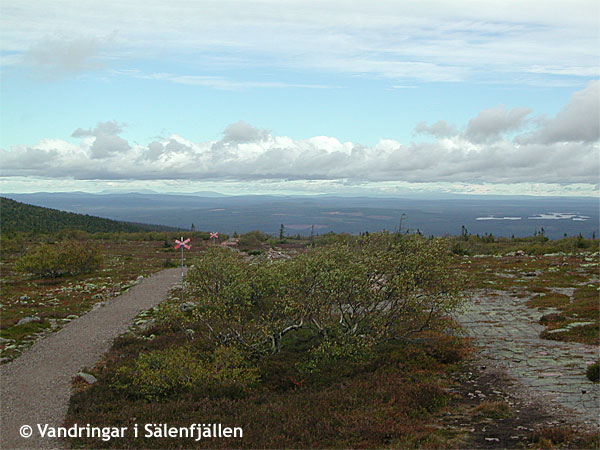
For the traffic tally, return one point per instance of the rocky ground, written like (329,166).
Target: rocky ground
(508,333)
(542,381)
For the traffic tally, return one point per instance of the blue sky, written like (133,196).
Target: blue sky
(390,98)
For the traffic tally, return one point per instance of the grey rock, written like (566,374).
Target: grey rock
(90,379)
(28,319)
(147,324)
(187,306)
(579,324)
(24,297)
(98,305)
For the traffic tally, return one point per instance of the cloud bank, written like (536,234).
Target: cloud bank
(496,146)
(529,41)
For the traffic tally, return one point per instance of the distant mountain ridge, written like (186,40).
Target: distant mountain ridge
(298,214)
(17,216)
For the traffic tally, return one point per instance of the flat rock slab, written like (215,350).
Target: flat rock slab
(507,332)
(35,388)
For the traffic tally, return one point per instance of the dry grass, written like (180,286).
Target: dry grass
(497,409)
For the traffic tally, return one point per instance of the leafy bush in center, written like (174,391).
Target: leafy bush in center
(349,296)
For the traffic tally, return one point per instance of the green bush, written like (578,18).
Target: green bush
(593,372)
(348,296)
(11,243)
(170,317)
(64,258)
(252,239)
(162,373)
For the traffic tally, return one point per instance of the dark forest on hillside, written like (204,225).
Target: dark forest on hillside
(16,216)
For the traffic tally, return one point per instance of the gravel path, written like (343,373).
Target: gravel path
(551,371)
(35,388)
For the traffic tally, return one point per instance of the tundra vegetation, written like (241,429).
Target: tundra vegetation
(53,278)
(347,343)
(332,341)
(343,301)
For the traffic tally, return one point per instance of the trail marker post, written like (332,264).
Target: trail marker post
(214,236)
(182,244)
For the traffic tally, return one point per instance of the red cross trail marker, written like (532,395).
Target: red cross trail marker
(214,236)
(182,244)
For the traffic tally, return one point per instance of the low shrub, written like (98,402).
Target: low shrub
(448,349)
(171,318)
(11,243)
(160,374)
(171,263)
(552,318)
(349,350)
(348,297)
(252,240)
(61,259)
(593,372)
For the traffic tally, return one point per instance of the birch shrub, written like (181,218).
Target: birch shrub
(349,296)
(64,258)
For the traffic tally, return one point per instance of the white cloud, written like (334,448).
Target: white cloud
(491,123)
(243,132)
(107,140)
(110,127)
(560,150)
(577,121)
(429,40)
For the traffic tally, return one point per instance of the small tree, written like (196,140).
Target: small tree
(281,232)
(464,234)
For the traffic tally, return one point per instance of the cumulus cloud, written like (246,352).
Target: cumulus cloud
(482,153)
(577,121)
(490,124)
(107,140)
(111,128)
(243,132)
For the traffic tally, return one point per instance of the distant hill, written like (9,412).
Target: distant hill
(17,216)
(500,216)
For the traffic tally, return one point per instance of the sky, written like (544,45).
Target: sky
(293,97)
